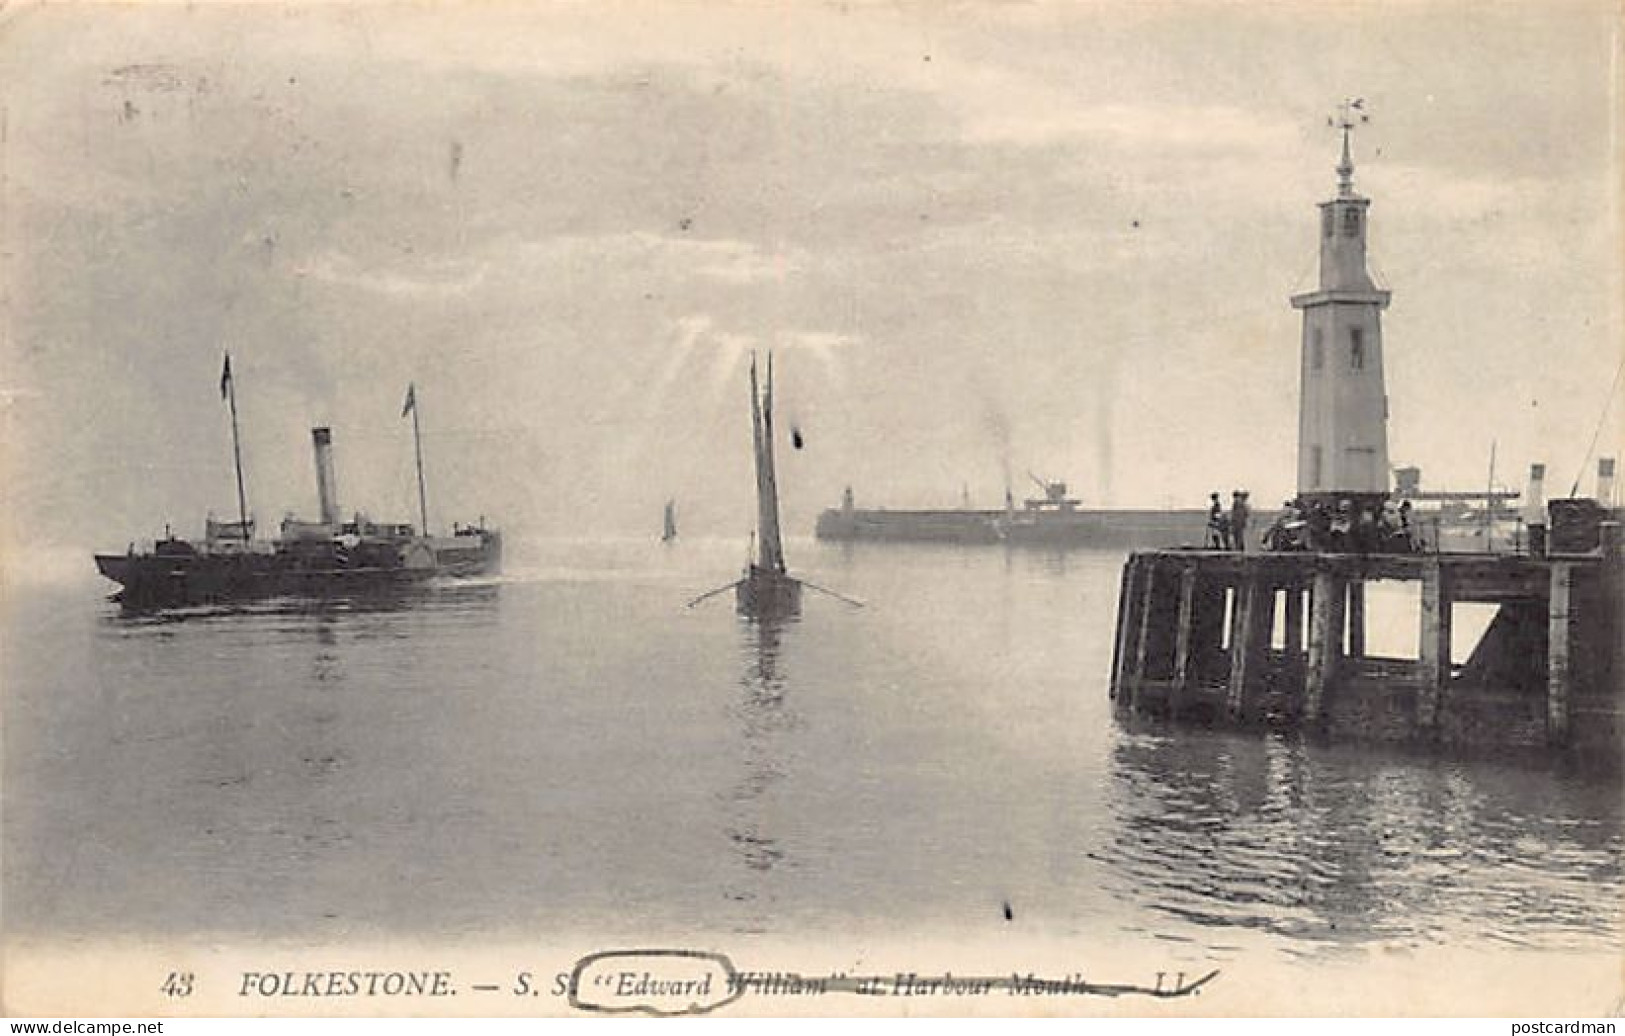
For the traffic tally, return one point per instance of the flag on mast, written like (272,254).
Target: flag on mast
(225,377)
(411,403)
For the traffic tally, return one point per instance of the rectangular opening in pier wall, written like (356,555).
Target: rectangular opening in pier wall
(1469,622)
(1286,618)
(1393,609)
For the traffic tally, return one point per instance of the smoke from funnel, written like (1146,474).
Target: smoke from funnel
(998,428)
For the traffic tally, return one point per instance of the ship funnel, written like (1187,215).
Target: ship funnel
(1534,501)
(327,487)
(1605,481)
(1534,510)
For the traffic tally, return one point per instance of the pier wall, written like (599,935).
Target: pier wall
(1281,640)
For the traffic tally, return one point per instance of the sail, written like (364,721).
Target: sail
(767,490)
(670,531)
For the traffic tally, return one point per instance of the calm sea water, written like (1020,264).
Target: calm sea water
(569,748)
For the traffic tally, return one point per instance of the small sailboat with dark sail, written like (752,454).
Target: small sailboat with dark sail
(767,590)
(669,529)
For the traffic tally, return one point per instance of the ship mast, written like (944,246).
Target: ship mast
(228,388)
(766,590)
(771,553)
(411,406)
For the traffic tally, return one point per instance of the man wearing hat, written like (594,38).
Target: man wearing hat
(1218,525)
(1239,513)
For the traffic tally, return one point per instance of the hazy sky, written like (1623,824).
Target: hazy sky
(980,237)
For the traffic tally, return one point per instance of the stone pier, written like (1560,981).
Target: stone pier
(1281,640)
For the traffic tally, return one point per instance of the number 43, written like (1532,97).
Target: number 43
(178,984)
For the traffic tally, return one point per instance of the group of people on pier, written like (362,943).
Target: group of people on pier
(1227,529)
(1317,526)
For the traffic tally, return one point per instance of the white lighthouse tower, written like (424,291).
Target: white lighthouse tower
(1343,405)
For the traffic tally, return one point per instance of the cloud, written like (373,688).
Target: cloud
(820,342)
(721,259)
(1450,194)
(438,278)
(1013,108)
(728,349)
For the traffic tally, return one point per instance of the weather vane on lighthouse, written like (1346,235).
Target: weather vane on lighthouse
(1350,114)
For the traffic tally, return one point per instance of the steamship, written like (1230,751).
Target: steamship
(332,557)
(311,559)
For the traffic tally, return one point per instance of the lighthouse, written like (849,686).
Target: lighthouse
(1343,404)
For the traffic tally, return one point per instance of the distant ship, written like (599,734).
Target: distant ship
(668,530)
(1488,521)
(331,557)
(1054,519)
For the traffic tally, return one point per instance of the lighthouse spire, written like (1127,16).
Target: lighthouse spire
(1350,114)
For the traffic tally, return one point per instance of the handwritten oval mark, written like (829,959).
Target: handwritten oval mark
(662,983)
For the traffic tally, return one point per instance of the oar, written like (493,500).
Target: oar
(713,593)
(825,590)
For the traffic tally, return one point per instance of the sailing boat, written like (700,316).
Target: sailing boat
(767,590)
(669,532)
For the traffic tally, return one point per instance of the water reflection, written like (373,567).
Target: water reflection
(326,666)
(1051,561)
(765,722)
(1339,847)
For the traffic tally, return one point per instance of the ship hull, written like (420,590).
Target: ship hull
(462,557)
(767,594)
(150,581)
(1085,529)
